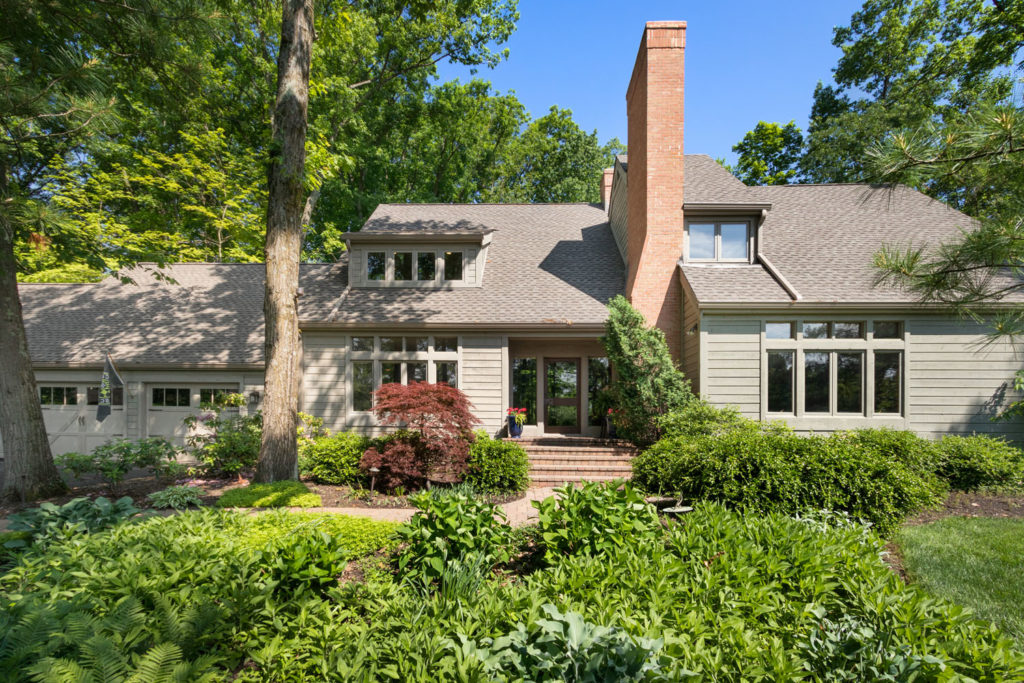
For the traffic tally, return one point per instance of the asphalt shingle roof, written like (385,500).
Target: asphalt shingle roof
(705,181)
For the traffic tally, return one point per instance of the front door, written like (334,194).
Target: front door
(562,395)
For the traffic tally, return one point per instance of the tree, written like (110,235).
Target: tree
(56,93)
(646,383)
(768,155)
(906,65)
(286,202)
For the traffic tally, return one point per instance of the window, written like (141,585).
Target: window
(780,381)
(390,344)
(598,378)
(452,265)
(163,397)
(446,344)
(362,386)
(524,387)
(399,360)
(92,396)
(376,265)
(390,373)
(447,372)
(417,344)
(816,382)
(888,384)
(213,396)
(403,265)
(850,383)
(833,368)
(58,396)
(718,241)
(888,329)
(426,266)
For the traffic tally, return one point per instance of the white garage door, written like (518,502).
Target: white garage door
(69,411)
(168,404)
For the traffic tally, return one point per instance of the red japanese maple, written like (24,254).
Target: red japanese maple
(435,431)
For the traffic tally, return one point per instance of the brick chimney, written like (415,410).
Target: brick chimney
(606,187)
(654,106)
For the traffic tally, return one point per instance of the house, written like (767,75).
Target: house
(766,296)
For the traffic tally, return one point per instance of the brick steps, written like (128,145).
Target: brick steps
(558,460)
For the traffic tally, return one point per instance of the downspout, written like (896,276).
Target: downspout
(772,270)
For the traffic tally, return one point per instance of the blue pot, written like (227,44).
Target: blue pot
(514,430)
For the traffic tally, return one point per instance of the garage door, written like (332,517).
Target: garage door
(69,411)
(168,404)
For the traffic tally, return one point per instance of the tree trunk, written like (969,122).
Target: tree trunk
(29,472)
(279,450)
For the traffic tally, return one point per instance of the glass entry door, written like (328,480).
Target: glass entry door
(562,395)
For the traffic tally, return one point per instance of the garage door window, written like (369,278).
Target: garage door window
(171,398)
(58,396)
(92,396)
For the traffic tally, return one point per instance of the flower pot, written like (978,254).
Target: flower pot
(514,430)
(609,428)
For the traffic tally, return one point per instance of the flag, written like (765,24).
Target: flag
(108,382)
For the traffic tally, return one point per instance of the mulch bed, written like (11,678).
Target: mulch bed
(960,504)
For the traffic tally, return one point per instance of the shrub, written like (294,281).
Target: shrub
(454,528)
(433,443)
(277,495)
(177,497)
(225,444)
(333,459)
(114,459)
(593,518)
(647,383)
(780,471)
(915,452)
(969,463)
(497,466)
(50,521)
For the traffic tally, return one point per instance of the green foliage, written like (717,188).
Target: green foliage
(114,459)
(333,459)
(566,647)
(276,495)
(972,561)
(497,466)
(225,443)
(970,463)
(768,155)
(50,521)
(700,418)
(177,497)
(777,470)
(647,383)
(594,518)
(451,529)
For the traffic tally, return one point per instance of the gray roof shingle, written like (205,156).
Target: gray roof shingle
(705,181)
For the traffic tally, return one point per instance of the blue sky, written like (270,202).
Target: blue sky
(745,61)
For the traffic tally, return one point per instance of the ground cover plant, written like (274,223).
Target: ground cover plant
(975,562)
(717,596)
(177,497)
(114,459)
(276,495)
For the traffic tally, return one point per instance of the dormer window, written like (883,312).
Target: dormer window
(376,265)
(426,266)
(718,241)
(403,265)
(452,266)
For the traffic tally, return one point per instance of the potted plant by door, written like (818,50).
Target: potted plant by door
(516,420)
(609,424)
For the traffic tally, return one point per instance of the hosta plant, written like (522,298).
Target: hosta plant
(177,497)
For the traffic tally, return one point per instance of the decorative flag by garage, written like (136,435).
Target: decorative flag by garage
(108,382)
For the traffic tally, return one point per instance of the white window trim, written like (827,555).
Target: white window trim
(867,345)
(462,257)
(718,222)
(376,357)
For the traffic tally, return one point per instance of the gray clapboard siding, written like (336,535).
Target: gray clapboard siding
(482,378)
(618,212)
(691,340)
(957,382)
(323,377)
(732,349)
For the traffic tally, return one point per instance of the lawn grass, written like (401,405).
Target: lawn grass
(277,495)
(976,562)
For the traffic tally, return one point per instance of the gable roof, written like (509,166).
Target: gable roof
(550,266)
